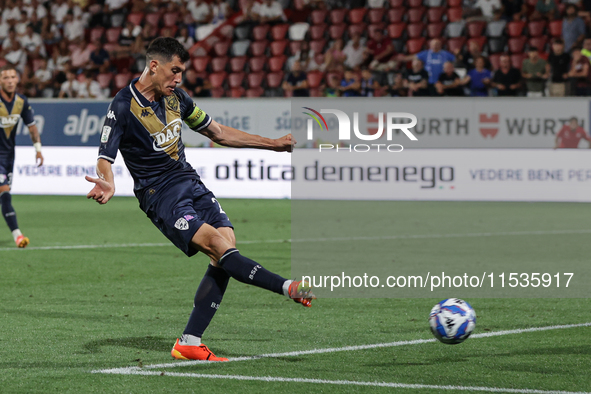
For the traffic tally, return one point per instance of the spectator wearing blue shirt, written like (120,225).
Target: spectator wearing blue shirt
(350,85)
(433,59)
(478,79)
(573,28)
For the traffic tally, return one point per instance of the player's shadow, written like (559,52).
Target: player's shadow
(157,344)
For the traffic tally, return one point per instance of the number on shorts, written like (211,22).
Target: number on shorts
(217,202)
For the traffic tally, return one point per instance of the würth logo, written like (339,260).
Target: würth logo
(489,125)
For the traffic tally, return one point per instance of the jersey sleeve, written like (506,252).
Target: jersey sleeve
(192,115)
(112,131)
(28,114)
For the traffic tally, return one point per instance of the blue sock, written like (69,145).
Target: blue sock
(207,300)
(250,272)
(8,212)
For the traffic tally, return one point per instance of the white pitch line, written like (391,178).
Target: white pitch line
(131,370)
(310,240)
(352,383)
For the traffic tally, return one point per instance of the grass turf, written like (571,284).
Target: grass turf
(66,312)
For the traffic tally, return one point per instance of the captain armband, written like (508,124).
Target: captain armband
(196,117)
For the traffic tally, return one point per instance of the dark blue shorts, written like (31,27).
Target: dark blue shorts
(180,208)
(6,167)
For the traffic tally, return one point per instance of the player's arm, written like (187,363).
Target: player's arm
(104,185)
(234,138)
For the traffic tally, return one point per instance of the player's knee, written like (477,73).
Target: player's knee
(213,244)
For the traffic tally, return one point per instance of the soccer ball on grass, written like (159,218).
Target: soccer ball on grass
(452,321)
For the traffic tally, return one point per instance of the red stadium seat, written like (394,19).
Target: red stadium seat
(435,14)
(274,80)
(415,45)
(317,32)
(516,44)
(316,93)
(278,47)
(318,46)
(454,14)
(136,18)
(278,32)
(359,29)
(221,48)
(237,64)
(395,15)
(235,80)
(260,32)
(153,19)
(396,30)
(538,42)
(218,64)
(258,48)
(396,3)
(276,63)
(112,34)
(237,92)
(536,28)
(200,63)
(255,80)
(104,80)
(315,79)
(96,33)
(294,47)
(217,92)
(415,3)
(416,15)
(454,3)
(171,19)
(121,80)
(415,30)
(337,31)
(338,16)
(481,41)
(257,64)
(217,79)
(515,28)
(376,15)
(517,60)
(356,15)
(318,17)
(495,60)
(255,92)
(555,28)
(455,44)
(435,30)
(476,29)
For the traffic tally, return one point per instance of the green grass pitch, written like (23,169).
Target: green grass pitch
(66,312)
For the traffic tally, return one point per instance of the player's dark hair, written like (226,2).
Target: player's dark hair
(165,48)
(8,66)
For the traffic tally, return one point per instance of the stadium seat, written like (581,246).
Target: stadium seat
(376,15)
(217,92)
(255,80)
(136,18)
(538,42)
(257,64)
(481,41)
(454,14)
(258,48)
(274,80)
(104,80)
(255,92)
(217,79)
(455,44)
(396,30)
(435,30)
(237,64)
(396,3)
(415,30)
(96,33)
(237,92)
(319,58)
(221,48)
(454,29)
(153,18)
(318,46)
(218,64)
(121,80)
(259,33)
(496,44)
(516,44)
(359,29)
(170,19)
(318,17)
(337,16)
(316,93)
(555,28)
(475,29)
(517,60)
(454,3)
(240,48)
(415,3)
(415,45)
(171,29)
(356,15)
(315,79)
(276,63)
(317,32)
(495,60)
(536,28)
(435,14)
(278,47)
(200,63)
(112,34)
(395,15)
(415,15)
(242,32)
(495,28)
(294,47)
(515,28)
(235,80)
(278,32)
(337,31)
(297,31)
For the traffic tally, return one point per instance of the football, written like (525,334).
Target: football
(452,321)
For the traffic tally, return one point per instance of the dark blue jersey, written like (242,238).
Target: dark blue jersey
(148,135)
(10,114)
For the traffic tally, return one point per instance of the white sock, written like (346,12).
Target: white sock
(16,233)
(190,340)
(286,288)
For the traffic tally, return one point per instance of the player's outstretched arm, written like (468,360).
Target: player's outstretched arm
(36,138)
(234,138)
(104,185)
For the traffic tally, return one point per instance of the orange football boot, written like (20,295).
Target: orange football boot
(200,352)
(22,241)
(301,292)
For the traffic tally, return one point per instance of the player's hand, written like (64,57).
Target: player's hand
(102,190)
(285,143)
(39,159)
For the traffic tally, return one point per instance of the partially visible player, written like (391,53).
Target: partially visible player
(13,107)
(144,123)
(570,135)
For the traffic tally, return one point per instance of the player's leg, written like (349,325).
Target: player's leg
(8,212)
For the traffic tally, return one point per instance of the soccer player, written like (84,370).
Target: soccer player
(13,107)
(143,122)
(570,135)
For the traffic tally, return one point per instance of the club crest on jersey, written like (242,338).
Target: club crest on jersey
(168,138)
(182,224)
(172,102)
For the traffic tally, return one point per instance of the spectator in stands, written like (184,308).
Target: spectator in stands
(34,8)
(334,58)
(487,7)
(184,38)
(36,23)
(573,28)
(369,86)
(33,44)
(514,10)
(449,82)
(128,35)
(478,79)
(149,32)
(116,9)
(58,11)
(99,58)
(70,87)
(507,79)
(305,56)
(417,80)
(355,51)
(43,79)
(11,13)
(88,87)
(434,59)
(81,55)
(579,73)
(535,71)
(50,33)
(332,88)
(73,27)
(559,65)
(13,52)
(381,52)
(297,81)
(570,135)
(350,84)
(586,51)
(375,3)
(467,59)
(545,9)
(138,52)
(60,57)
(200,11)
(21,26)
(194,85)
(220,11)
(250,12)
(4,27)
(271,12)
